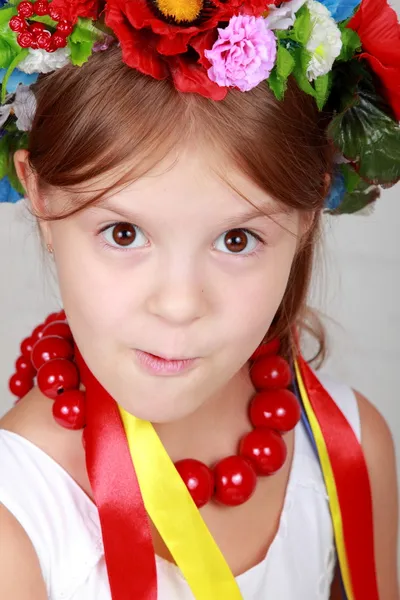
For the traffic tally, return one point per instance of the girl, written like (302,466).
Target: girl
(178,157)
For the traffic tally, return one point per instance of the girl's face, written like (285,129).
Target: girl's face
(173,265)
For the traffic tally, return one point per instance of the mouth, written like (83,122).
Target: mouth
(162,365)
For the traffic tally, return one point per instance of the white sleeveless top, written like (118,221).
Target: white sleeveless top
(63,525)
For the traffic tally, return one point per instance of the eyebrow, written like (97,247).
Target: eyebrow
(251,214)
(231,221)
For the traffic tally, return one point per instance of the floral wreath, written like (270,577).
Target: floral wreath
(344,53)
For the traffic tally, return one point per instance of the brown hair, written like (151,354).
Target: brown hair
(93,119)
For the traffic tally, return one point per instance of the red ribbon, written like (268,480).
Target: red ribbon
(128,545)
(352,484)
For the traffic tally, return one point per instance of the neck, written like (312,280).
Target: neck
(215,428)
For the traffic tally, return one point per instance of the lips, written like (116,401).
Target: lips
(158,365)
(168,358)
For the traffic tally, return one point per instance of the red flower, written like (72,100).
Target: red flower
(379,30)
(72,9)
(173,44)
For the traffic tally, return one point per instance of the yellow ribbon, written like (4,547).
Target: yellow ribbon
(330,484)
(175,515)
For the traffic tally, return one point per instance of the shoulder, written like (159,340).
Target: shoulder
(32,419)
(379,451)
(20,572)
(376,437)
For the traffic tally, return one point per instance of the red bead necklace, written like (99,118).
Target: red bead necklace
(48,356)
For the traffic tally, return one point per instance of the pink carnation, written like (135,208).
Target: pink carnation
(244,53)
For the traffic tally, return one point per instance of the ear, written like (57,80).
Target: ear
(30,183)
(26,175)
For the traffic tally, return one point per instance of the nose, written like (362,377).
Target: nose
(178,296)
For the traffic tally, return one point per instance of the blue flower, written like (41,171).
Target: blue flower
(341,9)
(7,192)
(336,193)
(17,77)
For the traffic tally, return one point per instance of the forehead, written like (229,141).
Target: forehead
(193,181)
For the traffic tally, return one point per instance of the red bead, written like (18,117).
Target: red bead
(265,449)
(55,13)
(25,9)
(57,376)
(52,317)
(58,40)
(266,349)
(37,333)
(235,480)
(44,40)
(25,39)
(62,316)
(37,28)
(41,8)
(26,348)
(275,409)
(198,478)
(20,385)
(60,328)
(270,372)
(25,368)
(18,24)
(69,410)
(65,28)
(51,347)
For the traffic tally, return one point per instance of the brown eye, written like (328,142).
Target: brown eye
(124,235)
(238,241)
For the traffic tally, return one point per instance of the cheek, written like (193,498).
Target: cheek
(257,299)
(95,297)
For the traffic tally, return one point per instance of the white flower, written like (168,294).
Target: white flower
(40,61)
(325,42)
(24,108)
(284,16)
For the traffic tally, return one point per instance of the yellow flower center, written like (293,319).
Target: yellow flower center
(180,10)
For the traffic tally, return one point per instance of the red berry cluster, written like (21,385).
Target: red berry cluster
(35,35)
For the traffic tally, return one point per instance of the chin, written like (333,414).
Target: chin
(159,402)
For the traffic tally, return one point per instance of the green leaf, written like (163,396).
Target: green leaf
(6,14)
(351,177)
(302,27)
(302,59)
(81,41)
(45,19)
(80,53)
(322,85)
(85,32)
(351,44)
(358,196)
(9,47)
(7,54)
(4,156)
(20,57)
(277,84)
(285,62)
(367,135)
